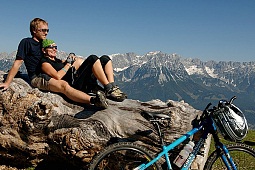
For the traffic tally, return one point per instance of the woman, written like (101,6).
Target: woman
(81,74)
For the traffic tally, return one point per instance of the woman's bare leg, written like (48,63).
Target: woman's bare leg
(99,73)
(62,86)
(108,69)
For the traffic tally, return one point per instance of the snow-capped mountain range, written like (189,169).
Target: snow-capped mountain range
(223,71)
(157,75)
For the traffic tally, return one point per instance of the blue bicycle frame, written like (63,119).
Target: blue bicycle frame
(208,129)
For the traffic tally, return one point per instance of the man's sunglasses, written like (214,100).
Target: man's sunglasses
(51,47)
(44,30)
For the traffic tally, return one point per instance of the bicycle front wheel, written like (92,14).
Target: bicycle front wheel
(123,155)
(242,155)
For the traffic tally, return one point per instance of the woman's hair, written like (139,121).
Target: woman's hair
(34,24)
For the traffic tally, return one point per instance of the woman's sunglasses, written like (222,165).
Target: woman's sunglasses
(51,47)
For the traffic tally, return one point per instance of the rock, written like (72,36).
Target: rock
(38,127)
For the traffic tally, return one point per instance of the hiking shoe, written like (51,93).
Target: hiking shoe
(100,100)
(116,94)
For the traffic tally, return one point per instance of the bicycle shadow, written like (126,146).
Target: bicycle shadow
(249,143)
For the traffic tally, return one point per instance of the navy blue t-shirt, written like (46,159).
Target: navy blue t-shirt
(30,51)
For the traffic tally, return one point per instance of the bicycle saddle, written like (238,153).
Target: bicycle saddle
(154,115)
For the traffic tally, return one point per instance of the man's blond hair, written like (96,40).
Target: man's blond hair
(34,24)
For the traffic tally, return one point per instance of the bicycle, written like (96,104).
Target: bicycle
(129,155)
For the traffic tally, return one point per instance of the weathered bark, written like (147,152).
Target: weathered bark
(37,126)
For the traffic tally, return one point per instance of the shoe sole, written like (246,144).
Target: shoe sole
(102,99)
(117,99)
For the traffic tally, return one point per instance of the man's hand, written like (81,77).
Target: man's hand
(13,71)
(4,86)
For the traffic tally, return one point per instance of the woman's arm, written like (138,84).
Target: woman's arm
(48,69)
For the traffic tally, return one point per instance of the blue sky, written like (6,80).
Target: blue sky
(221,30)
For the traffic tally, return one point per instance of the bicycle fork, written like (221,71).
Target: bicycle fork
(224,153)
(225,156)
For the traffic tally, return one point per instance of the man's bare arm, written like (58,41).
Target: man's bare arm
(13,71)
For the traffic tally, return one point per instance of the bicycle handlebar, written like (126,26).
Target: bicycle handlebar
(220,104)
(207,107)
(232,99)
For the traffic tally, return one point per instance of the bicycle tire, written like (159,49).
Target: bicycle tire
(123,155)
(242,155)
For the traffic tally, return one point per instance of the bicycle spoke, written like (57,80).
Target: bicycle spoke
(122,156)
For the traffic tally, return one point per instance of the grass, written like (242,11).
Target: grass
(241,158)
(248,140)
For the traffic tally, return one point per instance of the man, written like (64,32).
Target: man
(30,51)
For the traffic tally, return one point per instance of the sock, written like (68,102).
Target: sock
(92,100)
(112,84)
(107,87)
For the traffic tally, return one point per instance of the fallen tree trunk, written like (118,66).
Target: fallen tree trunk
(38,128)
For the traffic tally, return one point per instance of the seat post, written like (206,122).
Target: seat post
(160,134)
